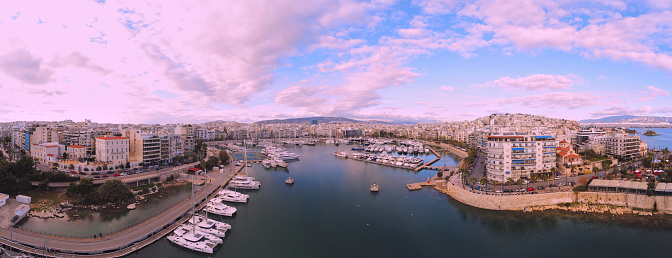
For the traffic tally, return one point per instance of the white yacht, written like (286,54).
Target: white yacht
(341,154)
(233,196)
(193,240)
(280,163)
(186,229)
(216,206)
(204,222)
(266,163)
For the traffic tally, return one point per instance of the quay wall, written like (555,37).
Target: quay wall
(456,151)
(519,202)
(505,202)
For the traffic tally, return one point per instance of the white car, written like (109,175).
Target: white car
(557,177)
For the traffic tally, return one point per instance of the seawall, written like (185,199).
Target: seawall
(522,201)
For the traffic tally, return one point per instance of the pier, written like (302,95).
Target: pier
(116,244)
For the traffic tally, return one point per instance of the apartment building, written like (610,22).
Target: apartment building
(112,149)
(621,146)
(81,138)
(76,152)
(144,147)
(46,152)
(514,155)
(186,132)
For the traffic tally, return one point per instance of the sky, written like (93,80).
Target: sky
(250,60)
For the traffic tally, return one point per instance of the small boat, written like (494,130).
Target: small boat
(131,206)
(289,181)
(341,154)
(358,148)
(374,187)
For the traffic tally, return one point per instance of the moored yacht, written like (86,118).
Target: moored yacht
(193,240)
(233,196)
(341,154)
(204,222)
(216,206)
(186,229)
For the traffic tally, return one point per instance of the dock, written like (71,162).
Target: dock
(414,186)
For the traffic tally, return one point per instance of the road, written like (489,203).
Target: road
(121,239)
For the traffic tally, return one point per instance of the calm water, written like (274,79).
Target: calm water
(664,140)
(329,212)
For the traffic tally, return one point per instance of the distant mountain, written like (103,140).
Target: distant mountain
(320,120)
(627,119)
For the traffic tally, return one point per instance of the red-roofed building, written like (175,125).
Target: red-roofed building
(46,152)
(567,155)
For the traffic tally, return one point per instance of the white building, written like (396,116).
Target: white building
(46,152)
(517,156)
(621,146)
(112,150)
(76,151)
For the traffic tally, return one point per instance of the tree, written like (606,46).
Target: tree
(646,162)
(115,191)
(128,164)
(65,155)
(510,182)
(212,161)
(484,182)
(583,181)
(595,169)
(104,166)
(224,157)
(573,167)
(99,168)
(71,166)
(519,182)
(23,184)
(86,169)
(44,185)
(473,182)
(439,174)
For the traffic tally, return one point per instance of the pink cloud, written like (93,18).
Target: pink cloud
(449,88)
(569,100)
(536,82)
(651,93)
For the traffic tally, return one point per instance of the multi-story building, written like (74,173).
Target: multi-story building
(112,149)
(513,155)
(621,146)
(144,147)
(186,132)
(46,152)
(76,152)
(82,138)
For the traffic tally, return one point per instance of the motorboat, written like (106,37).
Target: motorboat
(341,154)
(245,184)
(193,240)
(216,206)
(233,196)
(357,148)
(186,229)
(374,187)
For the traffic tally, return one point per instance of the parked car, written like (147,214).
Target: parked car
(116,175)
(557,177)
(530,189)
(104,176)
(124,174)
(540,187)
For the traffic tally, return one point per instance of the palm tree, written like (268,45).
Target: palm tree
(545,178)
(573,167)
(519,182)
(484,182)
(472,180)
(534,180)
(510,181)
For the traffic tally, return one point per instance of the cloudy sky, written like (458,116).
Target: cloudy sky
(250,60)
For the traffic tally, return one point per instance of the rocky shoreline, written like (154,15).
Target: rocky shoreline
(71,211)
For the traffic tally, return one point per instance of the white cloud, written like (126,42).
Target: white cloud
(535,82)
(449,88)
(651,93)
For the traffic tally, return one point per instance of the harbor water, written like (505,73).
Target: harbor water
(330,212)
(661,141)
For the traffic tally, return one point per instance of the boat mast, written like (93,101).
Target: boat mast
(193,206)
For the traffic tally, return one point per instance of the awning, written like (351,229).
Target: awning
(661,187)
(544,136)
(517,161)
(518,149)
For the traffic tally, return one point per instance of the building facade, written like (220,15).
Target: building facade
(519,156)
(621,146)
(112,150)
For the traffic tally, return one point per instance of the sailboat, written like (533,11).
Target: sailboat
(191,238)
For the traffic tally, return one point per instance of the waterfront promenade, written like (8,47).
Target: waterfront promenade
(116,244)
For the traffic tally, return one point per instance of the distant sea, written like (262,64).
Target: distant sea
(661,141)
